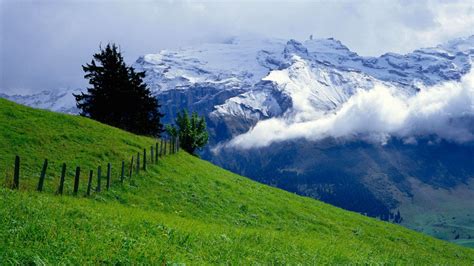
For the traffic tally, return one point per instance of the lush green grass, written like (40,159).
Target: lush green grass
(182,210)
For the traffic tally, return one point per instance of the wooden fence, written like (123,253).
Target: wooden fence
(137,164)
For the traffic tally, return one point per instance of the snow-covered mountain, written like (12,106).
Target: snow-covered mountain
(242,81)
(257,79)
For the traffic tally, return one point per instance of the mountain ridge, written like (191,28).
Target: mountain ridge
(239,65)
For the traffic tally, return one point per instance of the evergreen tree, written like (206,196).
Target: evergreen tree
(118,96)
(191,131)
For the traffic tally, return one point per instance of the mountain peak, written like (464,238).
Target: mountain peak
(294,47)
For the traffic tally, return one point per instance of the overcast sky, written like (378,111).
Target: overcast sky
(44,43)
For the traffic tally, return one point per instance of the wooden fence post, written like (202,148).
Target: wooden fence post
(161,147)
(156,152)
(131,168)
(89,183)
(16,173)
(108,176)
(61,180)
(144,159)
(138,163)
(76,180)
(177,144)
(99,177)
(42,175)
(172,145)
(122,174)
(164,149)
(152,155)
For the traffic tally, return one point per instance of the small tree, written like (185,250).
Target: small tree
(118,96)
(191,131)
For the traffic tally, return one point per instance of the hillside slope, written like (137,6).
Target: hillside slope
(181,210)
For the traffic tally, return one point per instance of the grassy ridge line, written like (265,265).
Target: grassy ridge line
(182,210)
(36,135)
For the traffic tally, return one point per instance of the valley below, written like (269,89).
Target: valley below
(422,187)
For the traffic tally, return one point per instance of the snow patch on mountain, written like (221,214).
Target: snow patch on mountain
(253,104)
(316,88)
(235,63)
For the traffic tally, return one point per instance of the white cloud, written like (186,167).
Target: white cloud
(445,110)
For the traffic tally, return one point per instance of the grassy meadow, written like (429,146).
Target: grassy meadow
(182,210)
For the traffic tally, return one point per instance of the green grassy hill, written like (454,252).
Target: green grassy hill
(182,210)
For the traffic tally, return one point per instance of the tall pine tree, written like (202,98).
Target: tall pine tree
(118,96)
